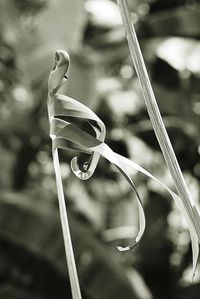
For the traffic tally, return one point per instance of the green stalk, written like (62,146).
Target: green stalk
(76,294)
(156,118)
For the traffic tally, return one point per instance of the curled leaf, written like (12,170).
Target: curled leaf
(68,135)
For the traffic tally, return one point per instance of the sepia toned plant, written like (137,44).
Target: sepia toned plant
(76,127)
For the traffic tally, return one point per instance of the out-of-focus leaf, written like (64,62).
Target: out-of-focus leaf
(25,273)
(103,13)
(179,103)
(37,227)
(181,54)
(9,291)
(179,21)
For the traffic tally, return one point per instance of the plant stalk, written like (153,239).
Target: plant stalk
(155,115)
(73,276)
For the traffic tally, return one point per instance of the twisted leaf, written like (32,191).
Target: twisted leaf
(65,116)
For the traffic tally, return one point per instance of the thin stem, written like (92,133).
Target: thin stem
(76,294)
(154,113)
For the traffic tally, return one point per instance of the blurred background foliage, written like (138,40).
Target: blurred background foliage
(102,210)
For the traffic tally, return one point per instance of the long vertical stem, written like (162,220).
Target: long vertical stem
(154,113)
(76,294)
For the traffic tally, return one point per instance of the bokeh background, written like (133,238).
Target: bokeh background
(102,211)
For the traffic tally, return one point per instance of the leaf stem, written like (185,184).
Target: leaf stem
(156,118)
(76,294)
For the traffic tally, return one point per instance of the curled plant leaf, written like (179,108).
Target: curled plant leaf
(65,114)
